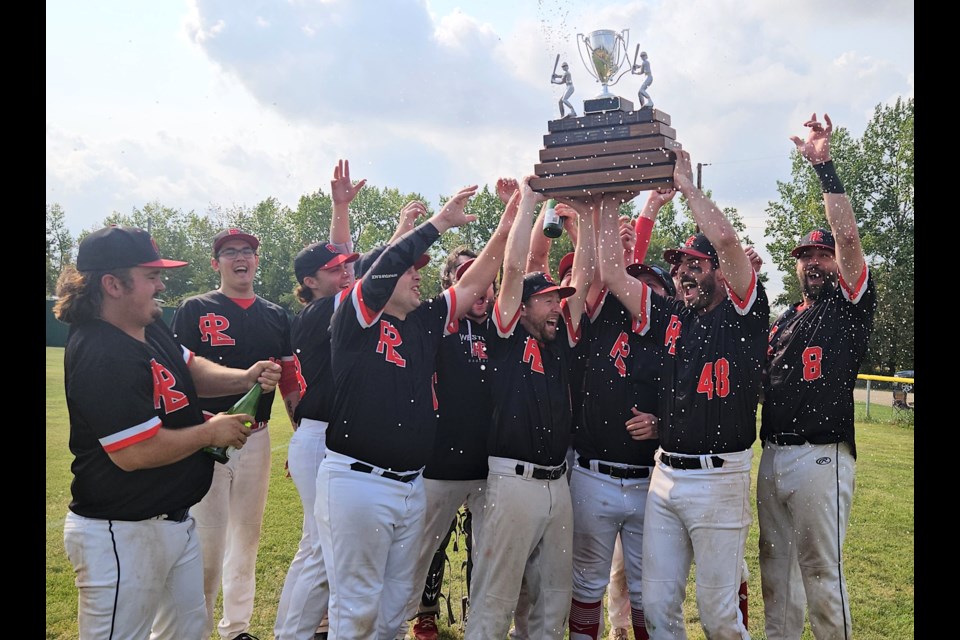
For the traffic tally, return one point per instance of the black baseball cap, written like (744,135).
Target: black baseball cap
(821,238)
(539,282)
(319,255)
(697,246)
(233,234)
(363,264)
(117,247)
(637,269)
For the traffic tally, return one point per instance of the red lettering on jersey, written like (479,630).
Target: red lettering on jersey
(433,390)
(478,349)
(212,329)
(163,383)
(812,359)
(301,381)
(672,334)
(531,354)
(389,341)
(620,350)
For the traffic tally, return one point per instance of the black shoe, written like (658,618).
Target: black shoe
(321,635)
(245,636)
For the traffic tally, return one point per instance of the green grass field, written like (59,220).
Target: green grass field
(879,551)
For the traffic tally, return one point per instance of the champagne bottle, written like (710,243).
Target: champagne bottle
(247,404)
(552,224)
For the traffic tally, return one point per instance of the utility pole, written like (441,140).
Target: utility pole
(700,166)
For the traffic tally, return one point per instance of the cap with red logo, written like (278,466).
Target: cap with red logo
(539,282)
(821,238)
(697,246)
(319,255)
(117,247)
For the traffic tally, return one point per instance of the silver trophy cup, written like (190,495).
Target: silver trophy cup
(606,51)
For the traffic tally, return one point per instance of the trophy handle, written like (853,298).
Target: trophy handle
(623,39)
(582,40)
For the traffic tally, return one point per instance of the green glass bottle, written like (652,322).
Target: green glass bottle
(247,404)
(552,224)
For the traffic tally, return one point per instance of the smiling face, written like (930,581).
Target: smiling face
(540,315)
(818,272)
(406,295)
(327,282)
(698,284)
(237,263)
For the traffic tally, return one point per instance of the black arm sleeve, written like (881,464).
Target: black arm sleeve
(379,282)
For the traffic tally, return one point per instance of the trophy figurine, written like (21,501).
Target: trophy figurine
(611,148)
(643,69)
(606,51)
(564,78)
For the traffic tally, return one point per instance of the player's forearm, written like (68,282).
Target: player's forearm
(166,447)
(340,223)
(213,380)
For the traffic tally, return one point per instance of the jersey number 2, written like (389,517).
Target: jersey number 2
(715,376)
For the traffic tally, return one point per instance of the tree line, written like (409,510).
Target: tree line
(876,169)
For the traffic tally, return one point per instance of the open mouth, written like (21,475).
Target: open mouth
(689,289)
(814,276)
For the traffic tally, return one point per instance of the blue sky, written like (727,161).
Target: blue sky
(226,102)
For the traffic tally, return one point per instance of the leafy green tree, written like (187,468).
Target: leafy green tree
(877,174)
(60,246)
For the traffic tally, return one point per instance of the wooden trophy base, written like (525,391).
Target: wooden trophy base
(607,152)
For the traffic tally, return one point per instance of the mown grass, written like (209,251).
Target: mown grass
(879,551)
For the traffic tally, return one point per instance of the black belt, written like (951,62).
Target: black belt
(365,468)
(787,439)
(540,473)
(616,472)
(678,462)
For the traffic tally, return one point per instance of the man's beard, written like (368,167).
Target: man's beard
(826,285)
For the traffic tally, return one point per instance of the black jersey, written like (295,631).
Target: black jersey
(532,412)
(464,403)
(217,328)
(813,360)
(710,384)
(121,391)
(622,371)
(310,338)
(383,408)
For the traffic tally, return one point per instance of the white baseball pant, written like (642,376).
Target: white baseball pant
(371,530)
(305,594)
(131,575)
(526,532)
(804,493)
(702,515)
(229,519)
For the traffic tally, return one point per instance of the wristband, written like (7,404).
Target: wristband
(829,180)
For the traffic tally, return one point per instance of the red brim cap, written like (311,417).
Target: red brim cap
(463,268)
(163,263)
(340,259)
(421,262)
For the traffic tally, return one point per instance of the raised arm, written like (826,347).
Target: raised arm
(648,215)
(478,277)
(629,291)
(342,192)
(840,216)
(515,259)
(584,269)
(734,263)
